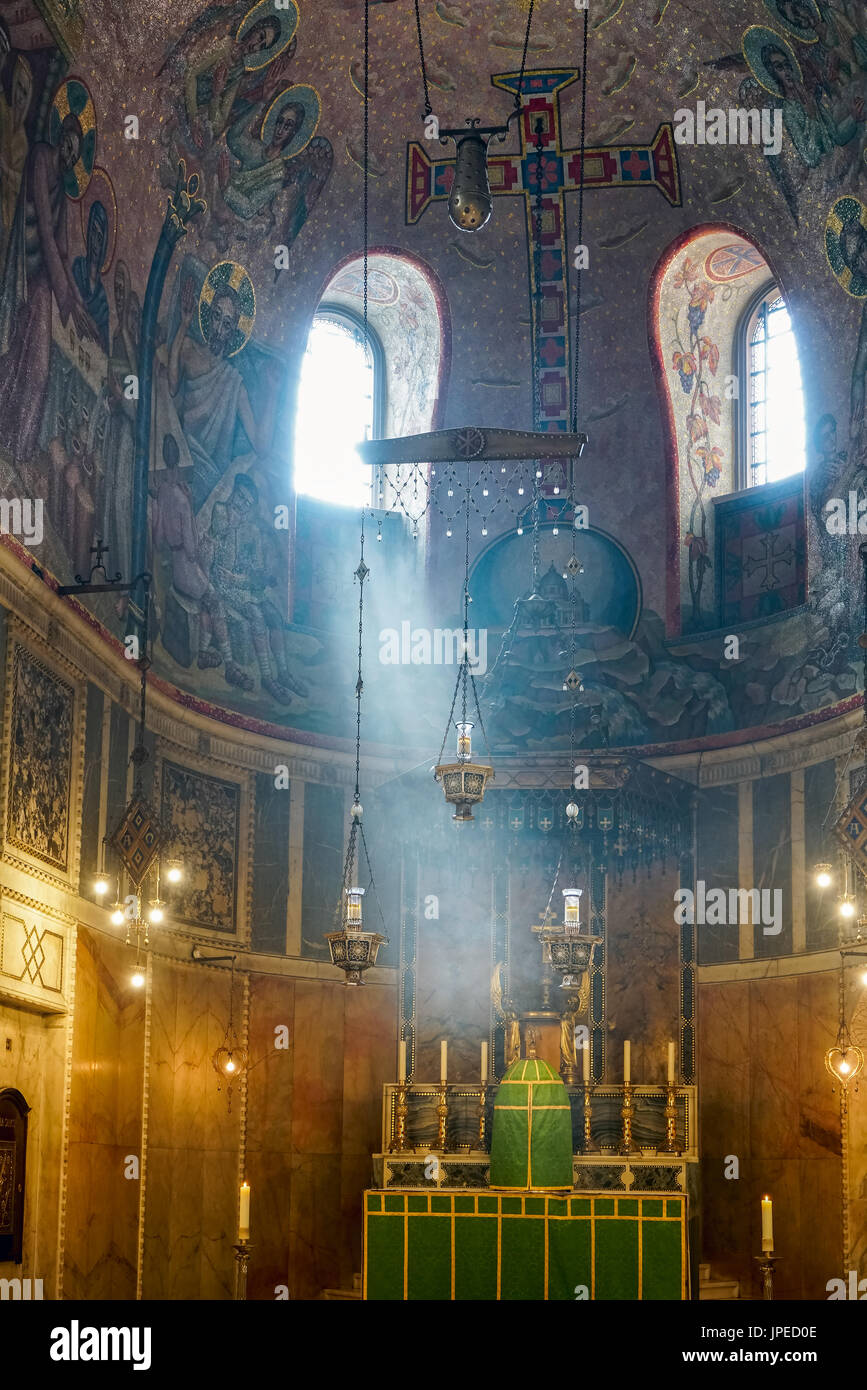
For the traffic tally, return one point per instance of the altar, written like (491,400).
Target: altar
(480,1245)
(447,1221)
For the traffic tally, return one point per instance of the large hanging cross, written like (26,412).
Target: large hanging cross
(627,166)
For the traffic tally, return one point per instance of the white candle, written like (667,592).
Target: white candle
(586,1051)
(626,1060)
(484,1063)
(443,1057)
(671,1062)
(767,1224)
(401,1060)
(244,1220)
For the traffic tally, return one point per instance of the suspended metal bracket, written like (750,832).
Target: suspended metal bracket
(471,443)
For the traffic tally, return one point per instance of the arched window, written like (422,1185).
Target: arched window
(339,405)
(727,365)
(773,430)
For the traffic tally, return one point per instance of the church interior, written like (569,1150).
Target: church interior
(433,860)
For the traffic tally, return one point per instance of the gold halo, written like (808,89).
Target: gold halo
(235,281)
(109,202)
(832,238)
(781,42)
(310,126)
(287,30)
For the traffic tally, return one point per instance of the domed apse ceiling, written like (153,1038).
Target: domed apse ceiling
(100,103)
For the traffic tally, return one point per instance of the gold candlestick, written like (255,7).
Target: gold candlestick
(627,1116)
(483,1097)
(589,1146)
(399,1142)
(442,1114)
(671,1145)
(242,1261)
(766,1262)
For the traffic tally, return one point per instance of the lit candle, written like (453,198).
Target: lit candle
(671,1063)
(767,1224)
(401,1060)
(484,1063)
(586,1051)
(626,1060)
(443,1056)
(244,1221)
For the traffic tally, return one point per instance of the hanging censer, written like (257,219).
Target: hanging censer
(464,781)
(470,201)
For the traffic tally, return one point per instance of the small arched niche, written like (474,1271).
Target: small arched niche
(13,1155)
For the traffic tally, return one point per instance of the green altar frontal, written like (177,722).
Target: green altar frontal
(487,1246)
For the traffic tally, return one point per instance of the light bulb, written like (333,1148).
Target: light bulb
(230,1066)
(117,917)
(137,980)
(175,874)
(449,531)
(823,875)
(844,1066)
(156,915)
(847,908)
(100,887)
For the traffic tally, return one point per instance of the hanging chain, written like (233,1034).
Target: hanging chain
(366,165)
(427,106)
(554,884)
(139,755)
(520,89)
(574,567)
(537,275)
(580,228)
(465,661)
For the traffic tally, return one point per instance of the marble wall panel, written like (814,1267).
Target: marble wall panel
(193,1138)
(190,1223)
(269,1173)
(766,1099)
(270,1091)
(106,1087)
(818,1102)
(369,1061)
(821,1225)
(315,1224)
(356,1174)
(773,1051)
(642,976)
(101,1224)
(317,1114)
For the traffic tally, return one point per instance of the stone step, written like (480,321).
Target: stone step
(716,1289)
